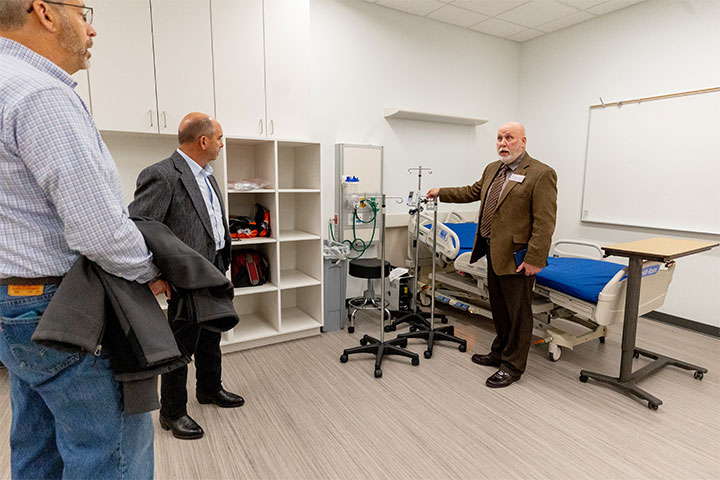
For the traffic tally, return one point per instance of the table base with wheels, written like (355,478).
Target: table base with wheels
(416,319)
(446,333)
(380,349)
(659,362)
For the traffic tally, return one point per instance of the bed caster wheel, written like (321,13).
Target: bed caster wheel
(351,329)
(416,361)
(378,373)
(602,339)
(363,341)
(343,358)
(427,354)
(636,355)
(554,354)
(583,378)
(462,347)
(653,406)
(699,375)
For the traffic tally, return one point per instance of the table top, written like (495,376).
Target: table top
(659,249)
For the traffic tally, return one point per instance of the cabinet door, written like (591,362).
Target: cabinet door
(183,60)
(237,31)
(121,68)
(287,66)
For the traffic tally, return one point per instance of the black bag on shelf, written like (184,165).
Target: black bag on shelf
(249,268)
(247,227)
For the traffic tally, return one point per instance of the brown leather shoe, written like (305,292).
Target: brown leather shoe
(184,428)
(487,360)
(223,398)
(500,379)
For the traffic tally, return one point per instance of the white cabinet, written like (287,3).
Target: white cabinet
(289,305)
(183,60)
(151,63)
(261,50)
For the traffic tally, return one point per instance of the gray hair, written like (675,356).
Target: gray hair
(193,129)
(13,14)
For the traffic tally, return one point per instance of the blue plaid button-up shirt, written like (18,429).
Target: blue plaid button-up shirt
(60,192)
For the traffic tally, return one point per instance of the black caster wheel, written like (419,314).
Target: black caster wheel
(583,378)
(427,354)
(386,328)
(653,406)
(602,339)
(462,347)
(413,329)
(699,375)
(363,341)
(416,361)
(351,329)
(378,373)
(343,358)
(444,320)
(392,327)
(636,355)
(403,344)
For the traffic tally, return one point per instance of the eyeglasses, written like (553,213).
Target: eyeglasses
(87,11)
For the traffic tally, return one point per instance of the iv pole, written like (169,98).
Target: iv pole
(381,347)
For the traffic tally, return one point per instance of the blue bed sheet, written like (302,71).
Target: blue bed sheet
(578,277)
(464,231)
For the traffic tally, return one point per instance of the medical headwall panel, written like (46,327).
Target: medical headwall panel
(654,163)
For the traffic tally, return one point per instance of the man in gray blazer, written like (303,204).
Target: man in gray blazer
(181,192)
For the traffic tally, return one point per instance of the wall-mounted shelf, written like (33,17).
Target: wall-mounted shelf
(397,113)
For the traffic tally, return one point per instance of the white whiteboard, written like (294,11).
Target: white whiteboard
(655,164)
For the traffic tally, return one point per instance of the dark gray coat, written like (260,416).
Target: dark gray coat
(167,192)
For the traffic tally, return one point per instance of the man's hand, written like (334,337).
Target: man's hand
(432,193)
(529,269)
(160,286)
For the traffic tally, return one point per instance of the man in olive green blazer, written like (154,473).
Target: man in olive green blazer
(517,214)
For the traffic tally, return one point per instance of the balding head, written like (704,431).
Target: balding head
(201,137)
(511,142)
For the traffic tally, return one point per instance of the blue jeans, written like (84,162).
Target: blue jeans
(67,419)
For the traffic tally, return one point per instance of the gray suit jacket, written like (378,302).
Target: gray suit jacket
(167,192)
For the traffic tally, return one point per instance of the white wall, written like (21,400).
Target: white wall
(652,48)
(366,57)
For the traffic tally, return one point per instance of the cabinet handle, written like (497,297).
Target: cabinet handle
(164,115)
(272,127)
(150,114)
(261,126)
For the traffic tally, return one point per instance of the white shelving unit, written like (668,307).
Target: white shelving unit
(289,305)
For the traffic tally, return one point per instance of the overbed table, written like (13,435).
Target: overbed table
(654,249)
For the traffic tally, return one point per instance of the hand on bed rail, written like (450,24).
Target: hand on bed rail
(529,269)
(432,193)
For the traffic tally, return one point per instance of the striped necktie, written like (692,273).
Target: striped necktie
(491,202)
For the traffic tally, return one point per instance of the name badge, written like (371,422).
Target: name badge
(517,178)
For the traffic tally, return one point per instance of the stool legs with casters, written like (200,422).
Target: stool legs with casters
(432,334)
(368,268)
(380,347)
(415,318)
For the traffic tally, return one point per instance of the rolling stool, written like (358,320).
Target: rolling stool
(368,268)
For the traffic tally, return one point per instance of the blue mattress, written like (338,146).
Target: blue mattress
(578,277)
(464,231)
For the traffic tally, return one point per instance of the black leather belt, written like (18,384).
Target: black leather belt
(30,281)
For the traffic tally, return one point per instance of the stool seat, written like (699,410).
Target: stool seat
(368,268)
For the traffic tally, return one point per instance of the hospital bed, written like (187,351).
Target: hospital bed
(576,286)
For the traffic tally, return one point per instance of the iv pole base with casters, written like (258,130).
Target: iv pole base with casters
(431,334)
(380,347)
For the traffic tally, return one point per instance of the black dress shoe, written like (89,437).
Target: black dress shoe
(223,398)
(500,379)
(184,427)
(487,360)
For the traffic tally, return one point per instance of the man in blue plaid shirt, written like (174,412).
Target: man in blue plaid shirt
(60,197)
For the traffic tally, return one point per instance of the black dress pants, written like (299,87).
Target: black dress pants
(511,306)
(204,345)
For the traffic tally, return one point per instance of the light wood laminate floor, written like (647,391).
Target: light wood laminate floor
(308,416)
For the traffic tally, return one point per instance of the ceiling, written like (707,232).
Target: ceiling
(517,20)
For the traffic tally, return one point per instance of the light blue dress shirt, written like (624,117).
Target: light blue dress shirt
(60,192)
(212,203)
